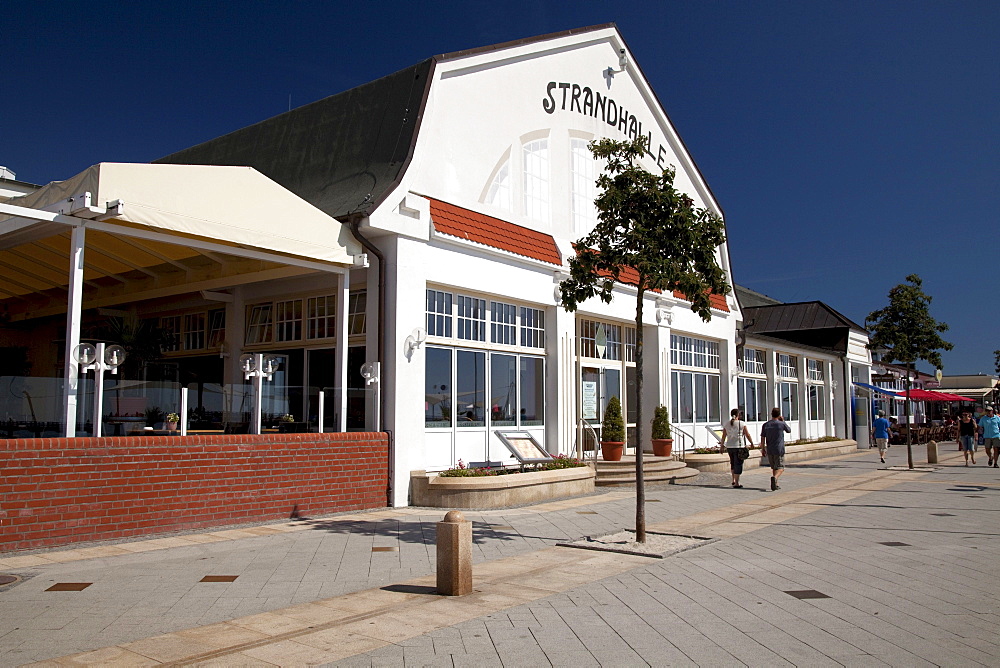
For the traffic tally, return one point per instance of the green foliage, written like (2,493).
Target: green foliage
(996,360)
(646,225)
(905,327)
(562,462)
(461,471)
(613,427)
(661,423)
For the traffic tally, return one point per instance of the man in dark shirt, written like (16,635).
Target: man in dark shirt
(772,444)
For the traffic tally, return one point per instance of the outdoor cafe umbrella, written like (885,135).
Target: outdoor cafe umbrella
(917,394)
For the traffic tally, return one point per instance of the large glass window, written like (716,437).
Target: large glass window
(689,351)
(536,180)
(503,390)
(788,366)
(439,313)
(471,318)
(289,320)
(584,187)
(171,326)
(437,388)
(357,307)
(216,327)
(817,405)
(470,389)
(695,396)
(788,400)
(814,369)
(503,323)
(499,191)
(321,317)
(753,361)
(532,327)
(259,324)
(595,334)
(194,331)
(532,392)
(752,399)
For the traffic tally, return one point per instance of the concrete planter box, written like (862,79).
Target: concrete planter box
(719,462)
(430,489)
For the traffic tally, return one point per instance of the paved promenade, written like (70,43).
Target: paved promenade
(850,563)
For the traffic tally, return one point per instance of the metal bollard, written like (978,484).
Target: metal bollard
(454,555)
(932,457)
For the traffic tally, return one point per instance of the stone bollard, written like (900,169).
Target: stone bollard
(932,452)
(454,555)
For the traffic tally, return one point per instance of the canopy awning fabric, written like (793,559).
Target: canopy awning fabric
(874,388)
(917,394)
(235,206)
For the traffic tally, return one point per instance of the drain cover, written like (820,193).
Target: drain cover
(942,514)
(895,543)
(7,579)
(219,578)
(69,586)
(806,593)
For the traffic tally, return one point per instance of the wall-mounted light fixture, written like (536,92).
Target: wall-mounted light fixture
(414,341)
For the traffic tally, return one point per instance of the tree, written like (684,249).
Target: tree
(652,236)
(996,360)
(907,333)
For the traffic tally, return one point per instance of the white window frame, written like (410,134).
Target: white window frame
(357,312)
(584,178)
(694,352)
(321,317)
(503,323)
(537,202)
(788,365)
(753,362)
(194,330)
(288,320)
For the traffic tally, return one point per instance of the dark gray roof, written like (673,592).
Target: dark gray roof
(748,297)
(342,154)
(809,323)
(798,316)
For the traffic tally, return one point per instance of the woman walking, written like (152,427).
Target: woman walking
(967,432)
(736,430)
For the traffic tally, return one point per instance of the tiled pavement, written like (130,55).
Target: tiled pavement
(315,592)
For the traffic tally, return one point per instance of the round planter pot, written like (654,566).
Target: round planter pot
(612,451)
(662,447)
(170,426)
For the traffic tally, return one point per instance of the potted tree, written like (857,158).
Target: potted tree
(613,432)
(663,441)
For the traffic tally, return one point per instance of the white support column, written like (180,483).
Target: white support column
(74,302)
(343,294)
(830,403)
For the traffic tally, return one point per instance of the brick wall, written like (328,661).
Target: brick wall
(56,491)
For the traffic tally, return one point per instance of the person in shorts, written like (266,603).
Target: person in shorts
(772,444)
(989,427)
(880,433)
(967,431)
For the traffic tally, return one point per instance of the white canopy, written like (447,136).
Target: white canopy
(233,206)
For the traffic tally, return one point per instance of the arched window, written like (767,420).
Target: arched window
(536,180)
(584,188)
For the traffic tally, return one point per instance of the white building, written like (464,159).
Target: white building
(463,179)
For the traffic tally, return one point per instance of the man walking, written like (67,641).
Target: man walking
(989,427)
(880,432)
(772,445)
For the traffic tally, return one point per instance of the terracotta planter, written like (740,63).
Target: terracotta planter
(612,451)
(662,447)
(170,426)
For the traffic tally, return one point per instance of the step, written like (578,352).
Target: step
(676,474)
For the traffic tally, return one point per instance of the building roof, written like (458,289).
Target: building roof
(748,297)
(493,232)
(798,316)
(342,154)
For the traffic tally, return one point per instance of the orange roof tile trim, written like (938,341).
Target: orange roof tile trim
(630,276)
(493,232)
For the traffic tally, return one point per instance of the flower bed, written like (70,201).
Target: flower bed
(719,461)
(499,491)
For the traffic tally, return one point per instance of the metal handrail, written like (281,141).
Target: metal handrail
(685,437)
(597,441)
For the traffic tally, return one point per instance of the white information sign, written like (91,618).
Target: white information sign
(590,400)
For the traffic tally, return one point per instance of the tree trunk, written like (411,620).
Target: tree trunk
(909,427)
(640,482)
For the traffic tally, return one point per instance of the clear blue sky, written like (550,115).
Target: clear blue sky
(849,143)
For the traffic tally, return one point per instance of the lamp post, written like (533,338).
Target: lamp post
(99,358)
(258,366)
